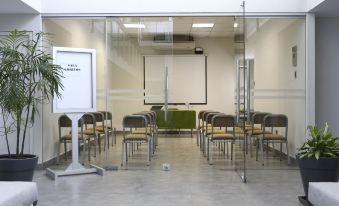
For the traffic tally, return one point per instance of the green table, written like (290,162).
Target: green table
(177,119)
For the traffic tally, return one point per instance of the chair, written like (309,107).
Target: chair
(203,128)
(247,126)
(208,128)
(63,123)
(130,123)
(109,126)
(151,131)
(155,127)
(200,125)
(90,132)
(100,130)
(256,127)
(216,136)
(273,121)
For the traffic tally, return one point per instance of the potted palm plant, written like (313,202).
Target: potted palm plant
(318,158)
(27,78)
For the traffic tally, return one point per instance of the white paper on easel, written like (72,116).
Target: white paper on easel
(79,92)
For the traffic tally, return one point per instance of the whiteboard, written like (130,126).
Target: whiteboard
(79,82)
(187,79)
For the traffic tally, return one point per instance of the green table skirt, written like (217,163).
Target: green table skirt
(176,119)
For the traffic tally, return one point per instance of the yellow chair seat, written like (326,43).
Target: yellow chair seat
(237,130)
(141,131)
(273,137)
(220,136)
(258,132)
(69,137)
(136,137)
(88,132)
(209,126)
(102,128)
(215,131)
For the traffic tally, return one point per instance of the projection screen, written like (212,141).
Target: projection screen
(187,79)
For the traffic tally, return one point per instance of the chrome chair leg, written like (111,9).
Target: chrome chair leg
(210,158)
(262,151)
(288,154)
(122,153)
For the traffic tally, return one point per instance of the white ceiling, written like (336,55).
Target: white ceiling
(223,26)
(15,7)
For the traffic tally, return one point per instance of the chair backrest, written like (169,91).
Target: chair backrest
(89,119)
(107,118)
(252,113)
(134,121)
(107,115)
(149,116)
(65,121)
(258,117)
(209,117)
(275,120)
(154,114)
(201,113)
(223,120)
(201,117)
(99,117)
(204,115)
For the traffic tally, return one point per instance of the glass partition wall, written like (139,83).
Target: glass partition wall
(275,50)
(134,85)
(76,33)
(242,66)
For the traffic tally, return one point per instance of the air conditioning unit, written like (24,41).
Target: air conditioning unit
(169,42)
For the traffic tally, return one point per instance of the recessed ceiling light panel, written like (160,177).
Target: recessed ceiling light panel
(135,26)
(202,25)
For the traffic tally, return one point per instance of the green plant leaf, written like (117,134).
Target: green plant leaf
(320,144)
(26,71)
(317,154)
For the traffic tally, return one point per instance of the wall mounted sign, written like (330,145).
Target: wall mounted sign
(79,71)
(295,56)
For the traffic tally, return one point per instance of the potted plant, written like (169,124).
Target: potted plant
(27,78)
(318,158)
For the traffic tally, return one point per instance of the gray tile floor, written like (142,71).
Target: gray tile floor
(191,180)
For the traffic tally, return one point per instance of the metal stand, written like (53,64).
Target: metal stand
(75,168)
